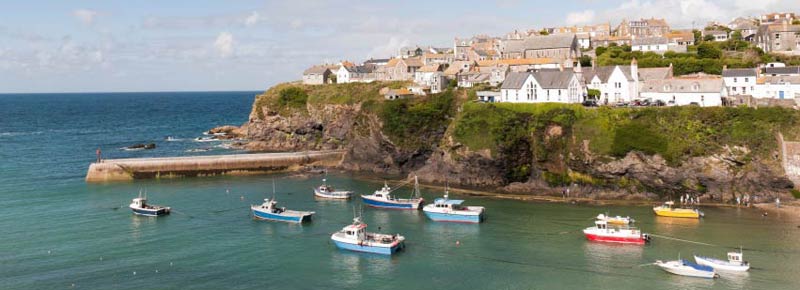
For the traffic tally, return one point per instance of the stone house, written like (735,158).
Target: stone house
(652,27)
(402,68)
(317,75)
(779,38)
(560,47)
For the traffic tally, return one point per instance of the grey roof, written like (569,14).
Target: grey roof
(359,69)
(553,79)
(714,32)
(515,80)
(683,85)
(539,42)
(317,69)
(795,80)
(783,70)
(654,73)
(650,41)
(377,60)
(739,72)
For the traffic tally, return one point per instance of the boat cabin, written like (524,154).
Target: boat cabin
(271,206)
(454,204)
(735,257)
(601,224)
(355,231)
(139,202)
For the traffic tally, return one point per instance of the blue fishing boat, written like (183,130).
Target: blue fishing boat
(139,206)
(451,210)
(384,198)
(355,237)
(269,210)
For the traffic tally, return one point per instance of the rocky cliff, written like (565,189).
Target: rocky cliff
(715,153)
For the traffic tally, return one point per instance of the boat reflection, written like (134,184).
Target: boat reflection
(669,224)
(137,222)
(600,256)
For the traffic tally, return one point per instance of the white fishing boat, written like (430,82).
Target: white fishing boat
(327,191)
(735,263)
(269,210)
(139,206)
(601,232)
(615,220)
(355,237)
(685,268)
(450,210)
(383,198)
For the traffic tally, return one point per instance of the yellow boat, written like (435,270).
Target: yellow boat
(668,211)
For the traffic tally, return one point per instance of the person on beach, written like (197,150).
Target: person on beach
(99,158)
(778,202)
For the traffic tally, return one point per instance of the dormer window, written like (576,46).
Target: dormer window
(695,87)
(667,88)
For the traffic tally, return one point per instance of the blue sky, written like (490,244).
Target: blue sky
(148,45)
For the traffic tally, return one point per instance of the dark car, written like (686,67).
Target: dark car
(589,103)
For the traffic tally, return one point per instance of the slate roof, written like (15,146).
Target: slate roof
(601,72)
(553,79)
(783,70)
(359,69)
(517,61)
(430,68)
(654,73)
(515,80)
(539,42)
(317,69)
(739,72)
(683,85)
(650,41)
(779,80)
(377,60)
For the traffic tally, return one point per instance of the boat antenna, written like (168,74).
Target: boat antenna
(140,192)
(446,193)
(273,189)
(416,187)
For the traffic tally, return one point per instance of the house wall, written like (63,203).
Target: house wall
(532,92)
(775,91)
(314,79)
(740,85)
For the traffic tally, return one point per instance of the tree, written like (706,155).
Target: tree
(544,32)
(796,22)
(736,35)
(586,60)
(600,50)
(593,94)
(708,38)
(708,50)
(698,36)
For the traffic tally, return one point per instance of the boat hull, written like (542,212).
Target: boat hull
(721,265)
(677,213)
(151,212)
(333,195)
(391,204)
(615,239)
(281,218)
(369,249)
(455,218)
(674,268)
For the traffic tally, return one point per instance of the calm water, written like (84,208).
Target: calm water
(60,233)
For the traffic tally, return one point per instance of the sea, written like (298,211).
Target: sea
(58,232)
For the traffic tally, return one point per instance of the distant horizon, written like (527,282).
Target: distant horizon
(131,92)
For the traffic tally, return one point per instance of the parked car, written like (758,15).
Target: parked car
(659,103)
(590,103)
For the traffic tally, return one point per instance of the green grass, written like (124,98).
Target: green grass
(416,123)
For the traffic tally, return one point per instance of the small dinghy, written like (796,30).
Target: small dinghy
(602,233)
(355,237)
(733,264)
(450,210)
(616,220)
(269,210)
(327,191)
(206,139)
(686,268)
(383,198)
(139,206)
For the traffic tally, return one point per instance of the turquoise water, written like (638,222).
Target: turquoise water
(59,232)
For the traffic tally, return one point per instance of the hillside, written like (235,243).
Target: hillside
(716,153)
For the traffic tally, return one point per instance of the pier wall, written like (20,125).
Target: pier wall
(790,159)
(167,167)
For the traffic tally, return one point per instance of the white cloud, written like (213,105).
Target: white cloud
(85,16)
(390,48)
(224,44)
(252,19)
(581,17)
(687,13)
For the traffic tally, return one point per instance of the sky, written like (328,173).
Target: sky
(203,45)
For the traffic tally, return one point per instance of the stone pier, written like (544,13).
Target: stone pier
(167,167)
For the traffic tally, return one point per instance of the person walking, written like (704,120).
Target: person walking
(99,155)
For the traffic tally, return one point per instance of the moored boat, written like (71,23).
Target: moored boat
(616,220)
(668,210)
(735,263)
(269,210)
(685,268)
(327,191)
(139,206)
(602,233)
(450,210)
(383,198)
(355,237)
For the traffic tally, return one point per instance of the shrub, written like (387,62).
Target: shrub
(292,97)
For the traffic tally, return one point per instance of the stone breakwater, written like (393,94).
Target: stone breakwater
(167,167)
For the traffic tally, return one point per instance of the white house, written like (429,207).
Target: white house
(704,91)
(778,87)
(353,74)
(718,35)
(559,86)
(431,76)
(654,44)
(741,81)
(615,83)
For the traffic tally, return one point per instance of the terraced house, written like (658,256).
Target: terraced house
(563,48)
(779,38)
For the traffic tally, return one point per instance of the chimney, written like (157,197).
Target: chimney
(561,67)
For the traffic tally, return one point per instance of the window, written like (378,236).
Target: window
(745,80)
(734,80)
(667,88)
(695,87)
